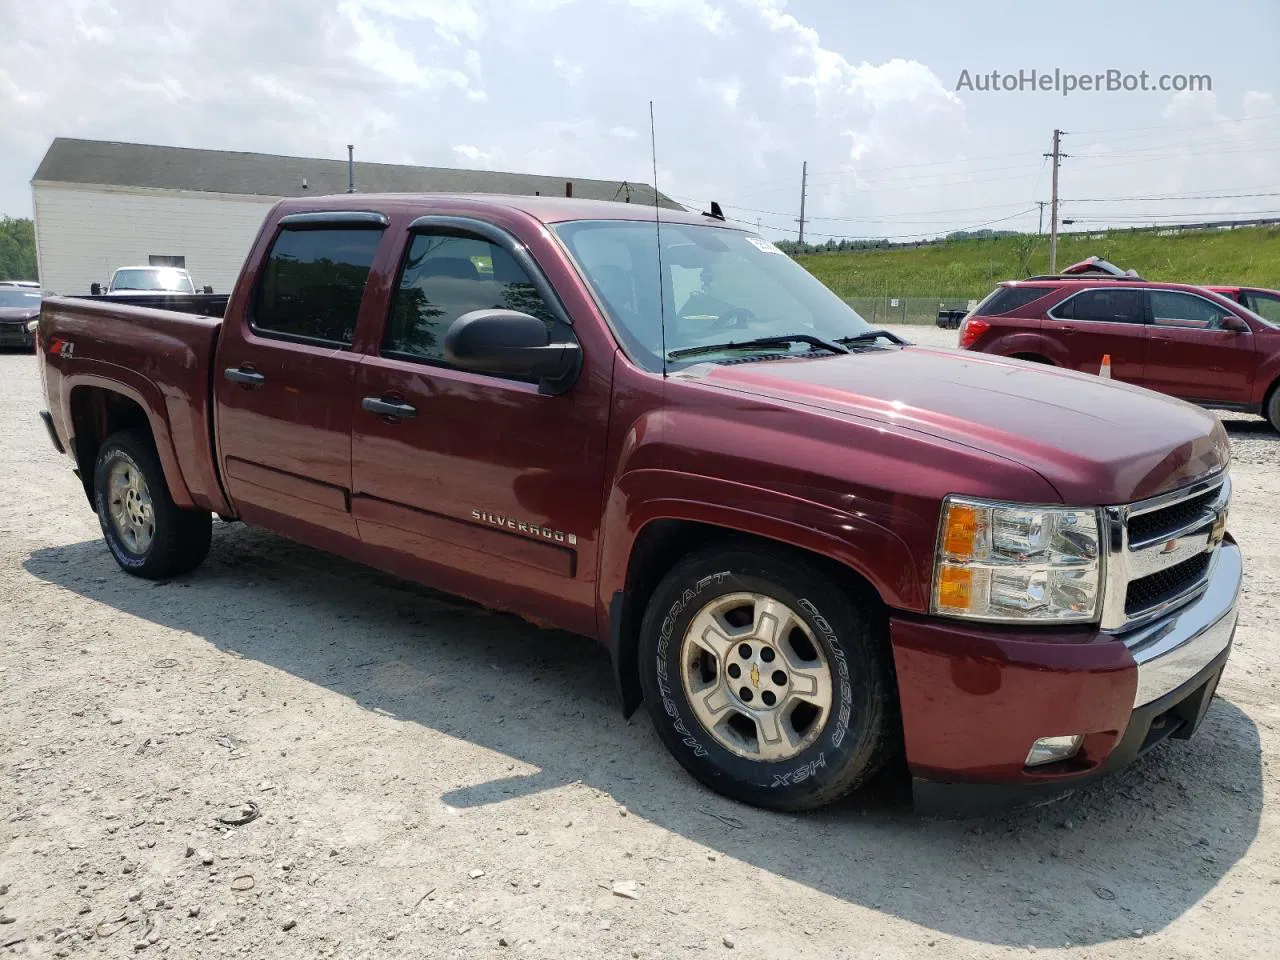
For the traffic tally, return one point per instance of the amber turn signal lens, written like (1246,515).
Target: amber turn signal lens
(955,588)
(961,531)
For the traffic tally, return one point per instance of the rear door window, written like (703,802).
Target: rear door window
(312,284)
(1102,305)
(1007,299)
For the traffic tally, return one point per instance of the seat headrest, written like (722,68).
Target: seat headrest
(458,267)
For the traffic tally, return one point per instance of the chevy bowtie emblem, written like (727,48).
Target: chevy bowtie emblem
(755,676)
(1169,547)
(1219,529)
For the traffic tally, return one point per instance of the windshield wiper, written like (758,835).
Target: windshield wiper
(832,347)
(871,336)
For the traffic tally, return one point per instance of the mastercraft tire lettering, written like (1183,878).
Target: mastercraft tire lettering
(767,681)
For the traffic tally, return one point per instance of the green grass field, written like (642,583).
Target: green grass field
(969,268)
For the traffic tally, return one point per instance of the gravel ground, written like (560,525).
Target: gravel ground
(437,781)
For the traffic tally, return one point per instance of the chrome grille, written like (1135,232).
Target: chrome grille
(1155,588)
(1160,552)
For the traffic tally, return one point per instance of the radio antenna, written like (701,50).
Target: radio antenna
(657,226)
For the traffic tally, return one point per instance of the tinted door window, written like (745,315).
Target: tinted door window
(312,284)
(1266,305)
(1172,309)
(445,275)
(1005,299)
(1102,306)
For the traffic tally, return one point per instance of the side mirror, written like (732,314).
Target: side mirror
(515,343)
(1234,323)
(95,289)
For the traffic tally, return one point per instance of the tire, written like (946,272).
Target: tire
(148,534)
(809,764)
(1271,409)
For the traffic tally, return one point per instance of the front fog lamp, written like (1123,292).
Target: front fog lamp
(1052,749)
(1005,562)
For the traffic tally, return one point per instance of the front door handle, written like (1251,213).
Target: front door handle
(389,408)
(250,378)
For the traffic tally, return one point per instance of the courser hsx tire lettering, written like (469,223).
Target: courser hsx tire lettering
(766,680)
(148,534)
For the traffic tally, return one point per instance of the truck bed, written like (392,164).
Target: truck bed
(201,304)
(163,361)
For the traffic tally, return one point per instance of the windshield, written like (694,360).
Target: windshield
(17,297)
(155,278)
(720,286)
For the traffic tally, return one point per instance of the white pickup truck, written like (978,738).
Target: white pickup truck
(141,281)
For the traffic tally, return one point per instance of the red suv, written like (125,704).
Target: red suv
(1265,303)
(1185,341)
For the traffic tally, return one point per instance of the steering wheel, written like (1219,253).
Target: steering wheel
(735,318)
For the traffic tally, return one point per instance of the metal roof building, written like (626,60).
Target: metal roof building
(101,205)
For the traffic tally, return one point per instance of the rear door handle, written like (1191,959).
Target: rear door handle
(388,408)
(250,378)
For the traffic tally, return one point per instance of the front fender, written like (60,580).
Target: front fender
(643,496)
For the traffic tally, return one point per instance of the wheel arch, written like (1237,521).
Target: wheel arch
(658,545)
(96,411)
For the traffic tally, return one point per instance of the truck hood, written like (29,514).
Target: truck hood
(1096,441)
(18,314)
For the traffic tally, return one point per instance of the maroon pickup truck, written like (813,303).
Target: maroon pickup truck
(807,545)
(1202,345)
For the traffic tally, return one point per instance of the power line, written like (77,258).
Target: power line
(852,219)
(1196,123)
(903,166)
(1152,217)
(1174,196)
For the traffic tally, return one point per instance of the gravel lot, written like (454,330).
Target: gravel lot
(437,781)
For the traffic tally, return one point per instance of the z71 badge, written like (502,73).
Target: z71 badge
(522,526)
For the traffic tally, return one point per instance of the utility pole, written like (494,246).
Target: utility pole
(804,183)
(351,168)
(1053,203)
(1041,205)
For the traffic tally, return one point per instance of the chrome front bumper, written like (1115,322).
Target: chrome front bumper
(1172,650)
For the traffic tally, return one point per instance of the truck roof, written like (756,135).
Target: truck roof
(544,209)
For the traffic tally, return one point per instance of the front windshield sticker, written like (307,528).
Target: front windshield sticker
(764,245)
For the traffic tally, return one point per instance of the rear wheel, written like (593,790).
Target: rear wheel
(767,682)
(148,534)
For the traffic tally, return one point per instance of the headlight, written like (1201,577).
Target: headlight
(1007,562)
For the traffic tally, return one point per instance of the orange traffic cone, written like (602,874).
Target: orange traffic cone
(1104,371)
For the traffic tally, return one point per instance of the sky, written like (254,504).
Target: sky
(885,102)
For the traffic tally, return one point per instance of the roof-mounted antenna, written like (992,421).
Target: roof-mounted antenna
(715,213)
(657,226)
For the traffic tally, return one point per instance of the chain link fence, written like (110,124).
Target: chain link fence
(923,310)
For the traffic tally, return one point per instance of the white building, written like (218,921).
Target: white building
(102,205)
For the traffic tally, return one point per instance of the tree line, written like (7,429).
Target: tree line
(17,249)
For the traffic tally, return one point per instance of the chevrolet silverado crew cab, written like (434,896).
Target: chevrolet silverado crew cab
(806,544)
(1189,342)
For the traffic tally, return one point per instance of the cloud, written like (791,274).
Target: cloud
(744,92)
(473,158)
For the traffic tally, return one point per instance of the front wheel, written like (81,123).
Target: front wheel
(148,534)
(1272,408)
(767,682)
